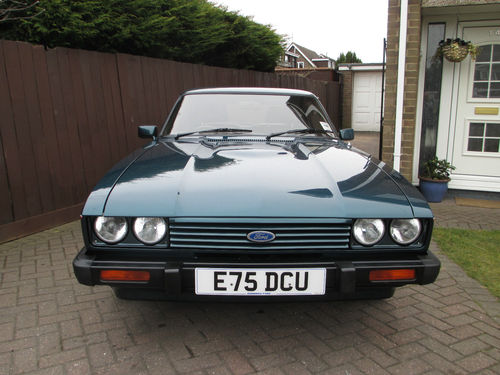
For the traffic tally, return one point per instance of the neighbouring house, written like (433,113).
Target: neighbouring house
(298,61)
(361,95)
(301,61)
(297,56)
(437,107)
(289,60)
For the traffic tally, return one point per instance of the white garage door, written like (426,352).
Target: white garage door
(367,95)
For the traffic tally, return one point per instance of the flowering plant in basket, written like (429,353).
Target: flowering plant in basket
(455,50)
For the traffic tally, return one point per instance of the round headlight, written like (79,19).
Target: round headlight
(368,231)
(150,230)
(110,229)
(405,231)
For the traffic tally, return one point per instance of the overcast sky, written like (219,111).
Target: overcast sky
(325,26)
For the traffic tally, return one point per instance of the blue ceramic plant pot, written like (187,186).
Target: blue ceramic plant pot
(433,190)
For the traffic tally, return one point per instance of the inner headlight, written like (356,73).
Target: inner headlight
(110,229)
(405,231)
(368,231)
(150,230)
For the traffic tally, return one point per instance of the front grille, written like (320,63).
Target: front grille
(230,235)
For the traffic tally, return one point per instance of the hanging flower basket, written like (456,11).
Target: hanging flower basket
(456,50)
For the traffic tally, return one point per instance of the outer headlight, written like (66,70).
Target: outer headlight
(111,229)
(368,231)
(150,230)
(405,231)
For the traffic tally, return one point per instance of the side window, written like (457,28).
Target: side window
(300,64)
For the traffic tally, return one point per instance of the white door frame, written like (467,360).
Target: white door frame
(466,182)
(448,103)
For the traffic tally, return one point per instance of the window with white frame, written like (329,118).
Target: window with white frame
(484,137)
(300,64)
(487,72)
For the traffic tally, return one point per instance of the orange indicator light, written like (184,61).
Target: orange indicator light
(388,275)
(124,275)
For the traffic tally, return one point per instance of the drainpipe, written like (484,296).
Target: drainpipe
(403,21)
(381,128)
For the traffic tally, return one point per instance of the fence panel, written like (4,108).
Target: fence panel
(6,206)
(48,141)
(81,115)
(17,142)
(69,115)
(62,133)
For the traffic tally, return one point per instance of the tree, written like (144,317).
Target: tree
(11,10)
(348,58)
(194,31)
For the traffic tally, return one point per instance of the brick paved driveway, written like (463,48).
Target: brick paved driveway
(49,324)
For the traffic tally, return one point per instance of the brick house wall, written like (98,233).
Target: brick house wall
(321,63)
(301,58)
(411,84)
(306,63)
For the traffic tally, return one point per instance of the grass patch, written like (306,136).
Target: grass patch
(476,251)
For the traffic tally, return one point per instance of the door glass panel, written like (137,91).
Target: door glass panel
(481,72)
(491,145)
(480,90)
(495,72)
(487,72)
(495,90)
(484,54)
(476,129)
(432,94)
(475,144)
(496,52)
(492,130)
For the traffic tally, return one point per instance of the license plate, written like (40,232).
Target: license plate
(259,281)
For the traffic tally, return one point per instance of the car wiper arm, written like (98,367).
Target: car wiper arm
(306,130)
(216,130)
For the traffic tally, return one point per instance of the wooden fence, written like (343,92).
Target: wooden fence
(66,116)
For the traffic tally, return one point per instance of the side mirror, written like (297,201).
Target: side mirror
(347,134)
(148,131)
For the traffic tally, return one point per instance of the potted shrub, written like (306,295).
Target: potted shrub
(434,179)
(455,50)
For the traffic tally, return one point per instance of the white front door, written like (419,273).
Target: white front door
(367,96)
(476,143)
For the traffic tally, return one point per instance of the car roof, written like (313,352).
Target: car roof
(250,90)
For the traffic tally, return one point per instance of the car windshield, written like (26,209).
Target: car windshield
(262,114)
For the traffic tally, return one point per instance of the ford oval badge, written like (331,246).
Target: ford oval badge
(261,236)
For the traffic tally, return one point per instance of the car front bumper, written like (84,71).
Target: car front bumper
(176,279)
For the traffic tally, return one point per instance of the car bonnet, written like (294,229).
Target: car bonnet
(255,179)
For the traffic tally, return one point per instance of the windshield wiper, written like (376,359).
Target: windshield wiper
(216,130)
(306,130)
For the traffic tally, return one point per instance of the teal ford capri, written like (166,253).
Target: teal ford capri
(253,194)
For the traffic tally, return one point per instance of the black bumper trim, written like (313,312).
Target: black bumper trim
(176,279)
